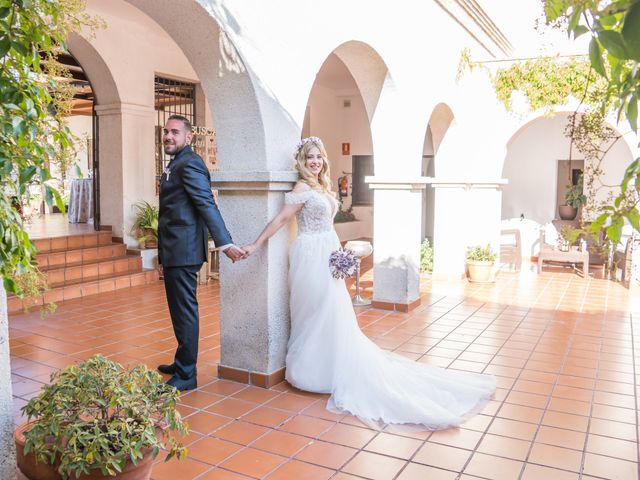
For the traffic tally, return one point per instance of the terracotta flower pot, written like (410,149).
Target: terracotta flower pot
(43,471)
(567,212)
(27,463)
(480,271)
(151,241)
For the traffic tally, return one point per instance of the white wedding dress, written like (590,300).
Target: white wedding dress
(328,353)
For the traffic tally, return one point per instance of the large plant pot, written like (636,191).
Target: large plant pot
(43,471)
(567,212)
(480,271)
(151,241)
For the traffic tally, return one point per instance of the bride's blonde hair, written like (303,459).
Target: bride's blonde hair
(302,150)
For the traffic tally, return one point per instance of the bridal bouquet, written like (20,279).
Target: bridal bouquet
(342,263)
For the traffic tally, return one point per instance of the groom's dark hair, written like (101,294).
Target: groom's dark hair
(184,120)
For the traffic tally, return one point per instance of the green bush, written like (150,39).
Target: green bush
(478,253)
(97,415)
(426,256)
(344,215)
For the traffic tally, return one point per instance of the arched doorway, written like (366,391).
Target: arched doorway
(439,122)
(84,125)
(537,168)
(336,112)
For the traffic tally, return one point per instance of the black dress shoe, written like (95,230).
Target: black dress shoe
(169,369)
(183,384)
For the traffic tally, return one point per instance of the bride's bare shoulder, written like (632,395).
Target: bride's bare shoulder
(301,187)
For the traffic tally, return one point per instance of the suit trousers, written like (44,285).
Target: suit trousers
(180,284)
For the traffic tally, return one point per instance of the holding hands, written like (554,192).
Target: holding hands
(237,253)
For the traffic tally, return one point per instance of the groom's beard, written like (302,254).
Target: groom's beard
(173,148)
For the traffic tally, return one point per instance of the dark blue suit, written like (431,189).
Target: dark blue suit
(187,213)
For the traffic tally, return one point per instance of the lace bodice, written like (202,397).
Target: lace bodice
(317,213)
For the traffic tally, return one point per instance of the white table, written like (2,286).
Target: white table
(81,201)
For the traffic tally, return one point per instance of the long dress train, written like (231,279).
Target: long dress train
(328,353)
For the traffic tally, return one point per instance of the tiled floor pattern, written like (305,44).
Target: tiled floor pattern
(562,349)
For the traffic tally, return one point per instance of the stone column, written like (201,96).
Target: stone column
(7,447)
(127,164)
(466,213)
(254,293)
(397,223)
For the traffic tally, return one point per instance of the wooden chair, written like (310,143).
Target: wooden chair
(511,253)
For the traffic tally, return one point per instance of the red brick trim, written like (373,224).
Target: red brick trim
(262,380)
(400,307)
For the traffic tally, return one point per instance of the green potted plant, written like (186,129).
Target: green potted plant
(480,261)
(426,256)
(97,419)
(574,199)
(568,237)
(145,225)
(344,215)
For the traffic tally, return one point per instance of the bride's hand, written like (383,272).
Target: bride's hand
(249,249)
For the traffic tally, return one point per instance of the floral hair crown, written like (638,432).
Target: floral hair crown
(302,142)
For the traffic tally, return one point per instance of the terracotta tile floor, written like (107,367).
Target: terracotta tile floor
(562,349)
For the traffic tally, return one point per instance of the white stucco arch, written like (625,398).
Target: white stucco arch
(227,82)
(440,120)
(531,167)
(103,84)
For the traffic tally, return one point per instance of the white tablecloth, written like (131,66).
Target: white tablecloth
(81,201)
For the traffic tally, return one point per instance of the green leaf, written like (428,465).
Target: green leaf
(634,219)
(614,231)
(27,174)
(574,19)
(9,285)
(614,43)
(632,112)
(18,125)
(595,55)
(48,195)
(631,32)
(579,30)
(20,48)
(5,46)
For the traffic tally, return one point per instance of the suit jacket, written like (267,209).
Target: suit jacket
(187,211)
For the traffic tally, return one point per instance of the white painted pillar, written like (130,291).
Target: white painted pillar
(397,223)
(466,213)
(127,164)
(7,447)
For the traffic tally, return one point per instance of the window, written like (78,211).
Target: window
(172,97)
(362,166)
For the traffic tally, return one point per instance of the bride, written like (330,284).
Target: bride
(327,351)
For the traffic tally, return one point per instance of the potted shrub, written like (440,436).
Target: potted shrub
(568,237)
(145,225)
(574,199)
(97,419)
(480,262)
(344,215)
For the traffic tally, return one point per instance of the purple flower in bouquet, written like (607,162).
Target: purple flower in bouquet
(342,263)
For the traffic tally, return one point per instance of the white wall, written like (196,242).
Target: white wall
(81,127)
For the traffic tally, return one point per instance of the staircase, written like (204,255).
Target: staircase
(84,264)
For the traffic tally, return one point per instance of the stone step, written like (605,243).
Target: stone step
(72,242)
(71,291)
(72,274)
(80,256)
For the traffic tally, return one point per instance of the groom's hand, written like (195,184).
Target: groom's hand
(234,253)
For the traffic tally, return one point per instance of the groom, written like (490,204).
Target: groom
(187,212)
